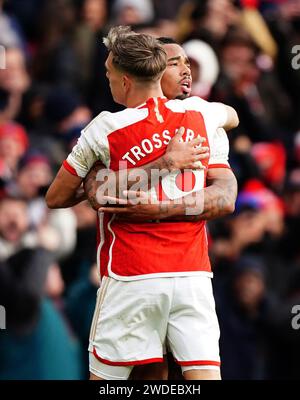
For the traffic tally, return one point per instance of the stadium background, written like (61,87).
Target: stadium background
(243,53)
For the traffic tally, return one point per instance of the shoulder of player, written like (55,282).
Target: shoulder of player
(98,120)
(107,122)
(193,103)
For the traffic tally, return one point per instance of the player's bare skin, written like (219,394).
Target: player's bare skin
(218,200)
(65,190)
(220,193)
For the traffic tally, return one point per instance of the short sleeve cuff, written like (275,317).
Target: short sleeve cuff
(219,165)
(69,168)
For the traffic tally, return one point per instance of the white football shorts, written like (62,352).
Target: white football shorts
(134,319)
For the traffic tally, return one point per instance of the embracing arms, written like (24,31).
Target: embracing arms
(216,200)
(66,191)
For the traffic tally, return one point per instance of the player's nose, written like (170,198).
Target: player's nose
(186,71)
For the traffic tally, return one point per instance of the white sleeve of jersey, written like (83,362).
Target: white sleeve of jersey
(215,114)
(218,114)
(215,117)
(82,157)
(91,146)
(219,149)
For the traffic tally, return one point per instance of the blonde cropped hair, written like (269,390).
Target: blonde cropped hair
(137,54)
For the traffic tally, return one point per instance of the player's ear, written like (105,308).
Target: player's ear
(126,82)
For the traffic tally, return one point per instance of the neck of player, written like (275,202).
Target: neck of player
(139,95)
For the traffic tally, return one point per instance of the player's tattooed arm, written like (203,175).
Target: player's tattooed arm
(179,155)
(65,191)
(213,201)
(91,184)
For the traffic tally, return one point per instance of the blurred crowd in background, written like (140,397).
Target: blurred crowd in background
(242,53)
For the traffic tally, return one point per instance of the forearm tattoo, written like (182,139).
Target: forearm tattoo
(219,200)
(91,185)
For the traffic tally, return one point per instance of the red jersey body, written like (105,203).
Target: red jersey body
(129,251)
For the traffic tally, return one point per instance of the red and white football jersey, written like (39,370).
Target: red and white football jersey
(137,136)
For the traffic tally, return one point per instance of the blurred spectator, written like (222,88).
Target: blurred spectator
(242,310)
(262,105)
(168,9)
(293,194)
(54,229)
(78,263)
(271,159)
(284,22)
(245,228)
(14,80)
(208,20)
(34,175)
(283,335)
(80,306)
(60,116)
(32,114)
(256,195)
(55,61)
(95,13)
(93,16)
(241,160)
(13,144)
(65,109)
(10,35)
(17,233)
(256,26)
(100,97)
(290,241)
(54,286)
(37,343)
(296,150)
(258,228)
(132,12)
(14,226)
(204,67)
(27,14)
